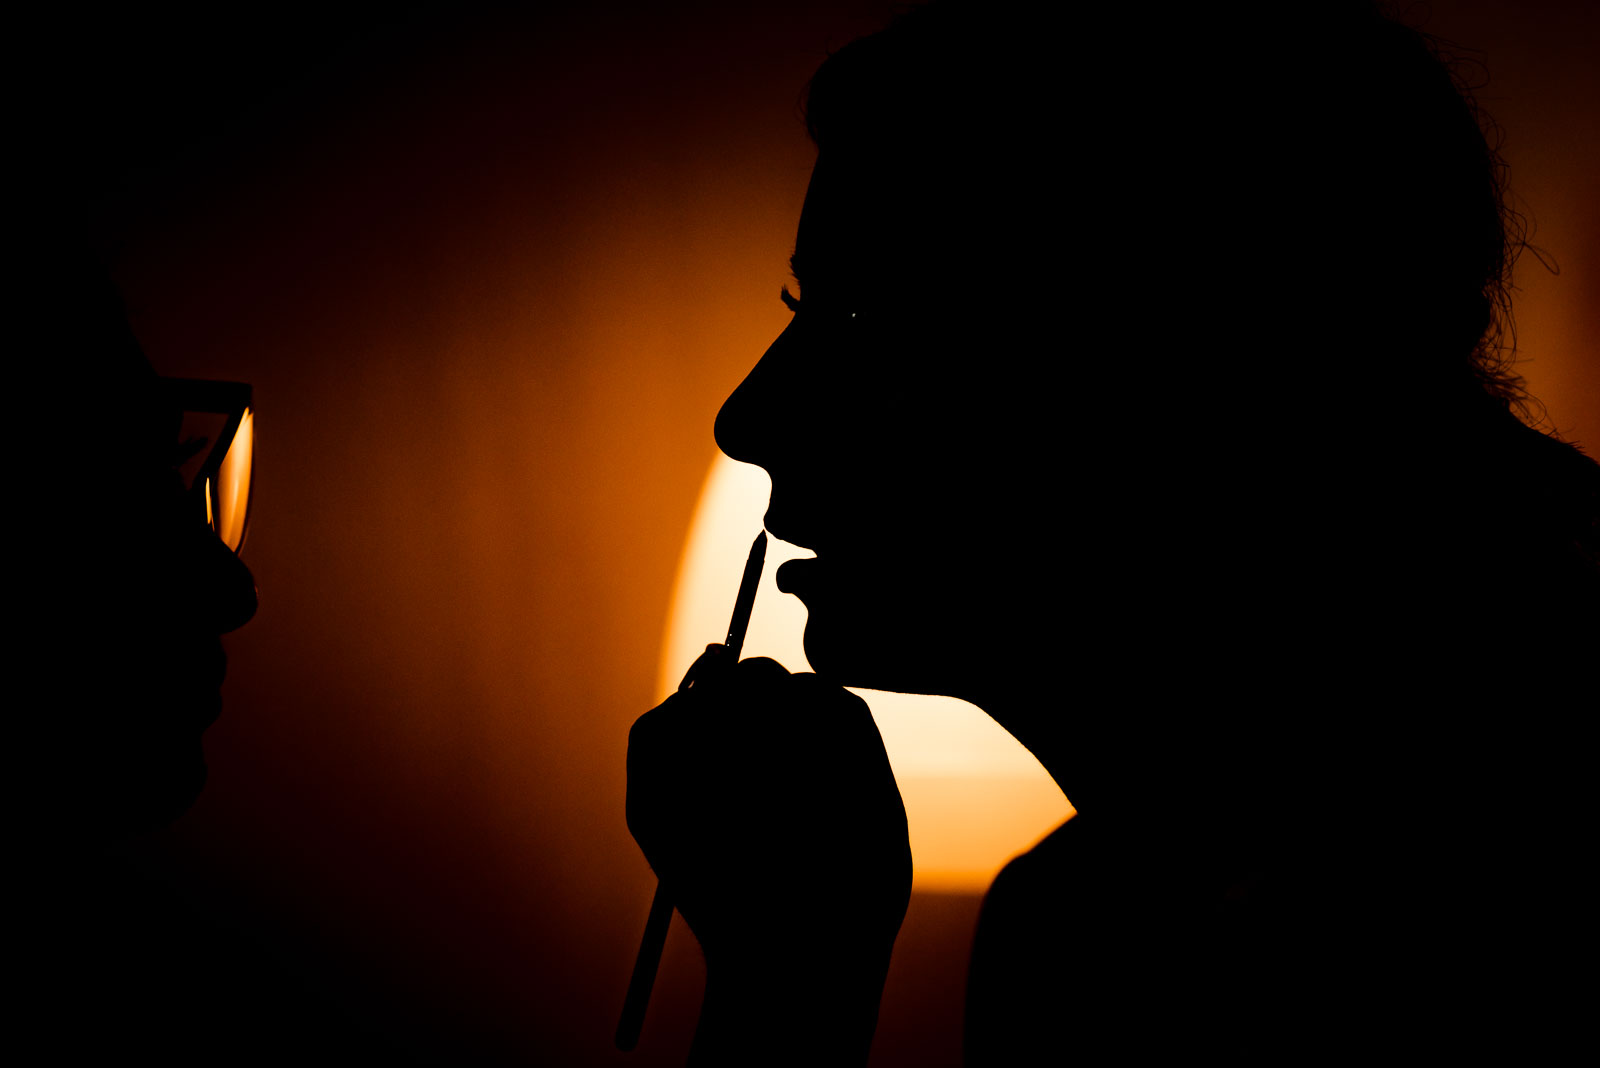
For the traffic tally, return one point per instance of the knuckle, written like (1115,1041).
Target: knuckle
(654,724)
(642,733)
(760,668)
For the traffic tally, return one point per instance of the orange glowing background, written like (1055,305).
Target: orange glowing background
(490,282)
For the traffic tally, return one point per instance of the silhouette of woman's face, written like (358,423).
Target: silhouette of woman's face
(896,445)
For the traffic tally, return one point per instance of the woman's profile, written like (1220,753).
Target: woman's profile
(1221,300)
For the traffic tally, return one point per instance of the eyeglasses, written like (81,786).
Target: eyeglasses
(215,451)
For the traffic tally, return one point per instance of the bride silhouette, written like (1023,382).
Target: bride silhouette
(1216,304)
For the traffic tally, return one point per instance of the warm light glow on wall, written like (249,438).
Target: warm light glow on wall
(974,797)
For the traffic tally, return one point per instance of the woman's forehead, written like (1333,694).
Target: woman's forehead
(853,240)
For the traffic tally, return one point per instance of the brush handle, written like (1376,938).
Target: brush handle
(644,970)
(656,927)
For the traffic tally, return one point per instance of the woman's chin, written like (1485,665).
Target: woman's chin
(869,659)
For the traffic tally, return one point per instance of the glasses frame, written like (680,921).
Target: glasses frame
(229,399)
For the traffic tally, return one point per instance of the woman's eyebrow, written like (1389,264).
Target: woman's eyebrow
(794,269)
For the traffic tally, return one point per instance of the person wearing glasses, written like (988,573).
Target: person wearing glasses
(154,491)
(130,575)
(1148,386)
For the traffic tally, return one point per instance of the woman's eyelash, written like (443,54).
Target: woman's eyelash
(794,305)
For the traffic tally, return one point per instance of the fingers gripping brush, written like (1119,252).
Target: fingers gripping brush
(716,657)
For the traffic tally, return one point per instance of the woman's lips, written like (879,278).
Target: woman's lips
(798,577)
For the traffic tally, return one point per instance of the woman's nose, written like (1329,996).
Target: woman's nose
(751,419)
(732,430)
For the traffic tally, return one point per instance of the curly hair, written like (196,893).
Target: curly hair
(1494,355)
(1350,156)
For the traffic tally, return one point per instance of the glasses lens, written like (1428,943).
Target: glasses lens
(215,450)
(228,494)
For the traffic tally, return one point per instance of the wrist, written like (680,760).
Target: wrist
(809,1007)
